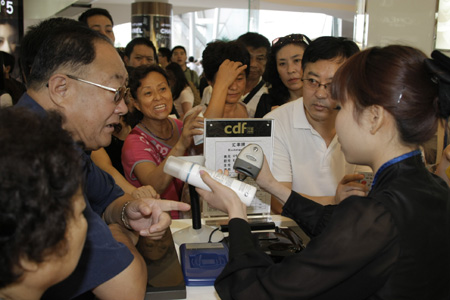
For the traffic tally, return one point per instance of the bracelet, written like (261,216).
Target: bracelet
(122,216)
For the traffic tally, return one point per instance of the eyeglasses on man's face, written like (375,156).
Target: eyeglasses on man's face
(121,93)
(314,84)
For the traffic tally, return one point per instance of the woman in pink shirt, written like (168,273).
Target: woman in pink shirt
(157,135)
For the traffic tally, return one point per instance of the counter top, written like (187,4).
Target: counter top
(208,292)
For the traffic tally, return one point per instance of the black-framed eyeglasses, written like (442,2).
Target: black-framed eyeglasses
(314,84)
(291,38)
(121,93)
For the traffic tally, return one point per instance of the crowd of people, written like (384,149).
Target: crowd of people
(84,148)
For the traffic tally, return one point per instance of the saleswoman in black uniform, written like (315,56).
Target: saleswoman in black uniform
(392,244)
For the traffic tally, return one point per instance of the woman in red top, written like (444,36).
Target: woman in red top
(157,135)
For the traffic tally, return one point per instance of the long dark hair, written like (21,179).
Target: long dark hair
(278,90)
(180,82)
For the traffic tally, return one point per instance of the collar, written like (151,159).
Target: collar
(27,101)
(30,103)
(392,162)
(260,79)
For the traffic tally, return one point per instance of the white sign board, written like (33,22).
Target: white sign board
(223,140)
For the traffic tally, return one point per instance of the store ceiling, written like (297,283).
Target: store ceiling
(345,9)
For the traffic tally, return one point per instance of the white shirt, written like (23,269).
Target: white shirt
(186,95)
(301,155)
(253,103)
(6,100)
(207,92)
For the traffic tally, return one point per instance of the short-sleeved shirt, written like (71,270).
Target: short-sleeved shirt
(252,104)
(141,147)
(103,257)
(186,96)
(207,93)
(301,155)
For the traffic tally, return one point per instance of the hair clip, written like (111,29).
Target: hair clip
(400,97)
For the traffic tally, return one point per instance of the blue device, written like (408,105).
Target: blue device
(202,262)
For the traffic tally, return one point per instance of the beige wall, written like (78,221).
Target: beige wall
(407,22)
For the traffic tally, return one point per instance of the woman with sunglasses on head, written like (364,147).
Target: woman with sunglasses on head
(157,135)
(393,243)
(283,72)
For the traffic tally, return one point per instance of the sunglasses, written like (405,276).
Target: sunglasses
(292,38)
(121,93)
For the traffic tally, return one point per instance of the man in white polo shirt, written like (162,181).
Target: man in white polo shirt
(307,155)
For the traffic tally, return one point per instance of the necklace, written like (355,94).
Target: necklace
(160,138)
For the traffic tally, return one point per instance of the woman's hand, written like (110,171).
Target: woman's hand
(222,198)
(192,125)
(265,178)
(350,186)
(228,72)
(267,182)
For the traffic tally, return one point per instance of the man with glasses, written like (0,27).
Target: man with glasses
(78,73)
(307,155)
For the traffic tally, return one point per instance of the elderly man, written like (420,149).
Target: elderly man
(78,73)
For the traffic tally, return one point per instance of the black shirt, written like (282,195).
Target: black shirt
(392,244)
